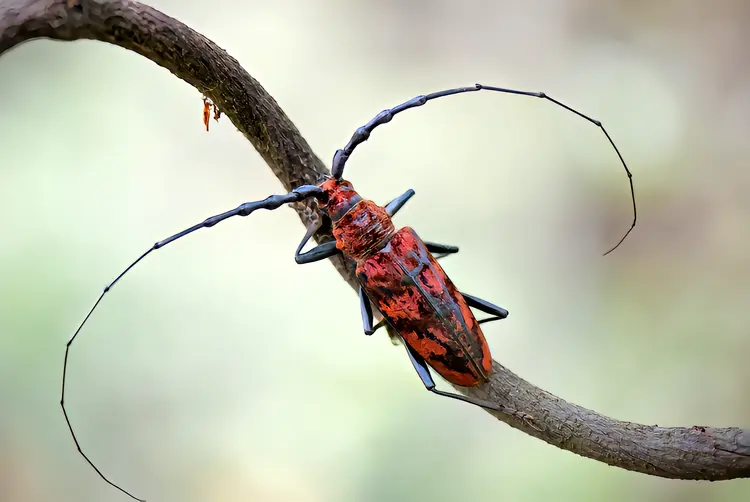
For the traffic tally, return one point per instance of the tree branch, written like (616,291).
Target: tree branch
(671,452)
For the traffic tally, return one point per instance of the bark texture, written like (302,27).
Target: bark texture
(698,453)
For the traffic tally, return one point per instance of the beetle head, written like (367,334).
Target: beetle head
(339,198)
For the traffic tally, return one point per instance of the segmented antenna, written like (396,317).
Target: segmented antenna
(270,203)
(363,133)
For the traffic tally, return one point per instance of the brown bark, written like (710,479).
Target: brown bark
(672,452)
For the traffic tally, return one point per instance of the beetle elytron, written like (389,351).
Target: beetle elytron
(396,270)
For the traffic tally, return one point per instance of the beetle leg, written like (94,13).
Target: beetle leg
(440,250)
(319,252)
(485,306)
(366,309)
(424,374)
(396,204)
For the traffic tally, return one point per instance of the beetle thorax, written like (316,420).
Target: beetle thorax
(360,227)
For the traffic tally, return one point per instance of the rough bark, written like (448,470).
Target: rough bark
(699,453)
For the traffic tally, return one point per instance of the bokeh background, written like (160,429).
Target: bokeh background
(220,370)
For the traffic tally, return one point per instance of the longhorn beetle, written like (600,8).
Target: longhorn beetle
(396,270)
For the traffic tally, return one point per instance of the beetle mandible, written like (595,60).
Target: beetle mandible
(396,270)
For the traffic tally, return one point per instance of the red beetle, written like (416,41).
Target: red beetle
(398,273)
(396,270)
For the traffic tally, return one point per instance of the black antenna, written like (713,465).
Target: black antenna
(363,133)
(270,203)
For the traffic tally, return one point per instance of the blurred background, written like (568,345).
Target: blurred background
(220,370)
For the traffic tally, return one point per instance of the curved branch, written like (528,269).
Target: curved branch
(672,452)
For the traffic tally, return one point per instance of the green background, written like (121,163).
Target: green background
(219,370)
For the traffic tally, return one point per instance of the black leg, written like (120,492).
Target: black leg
(319,252)
(440,250)
(487,307)
(424,374)
(396,204)
(489,319)
(363,133)
(366,309)
(269,203)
